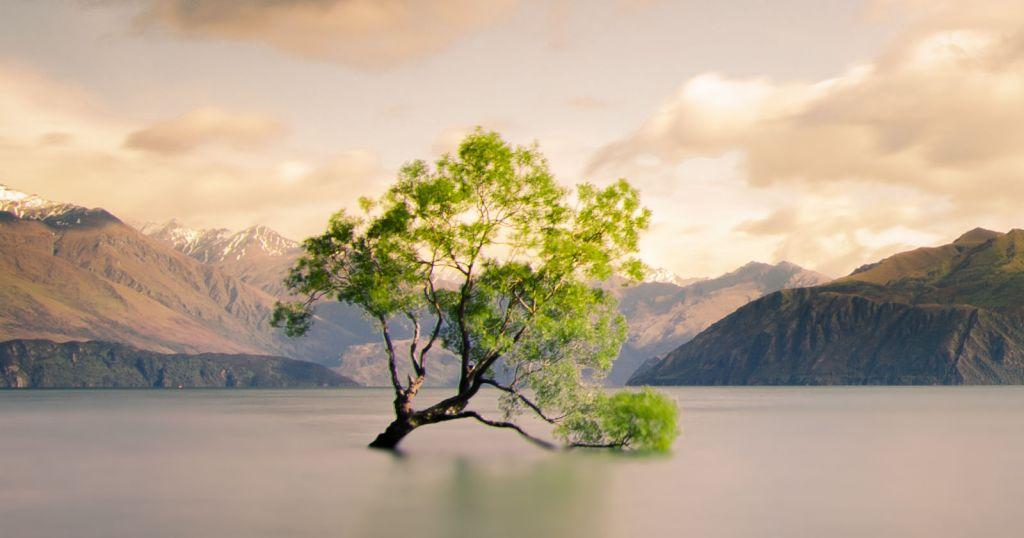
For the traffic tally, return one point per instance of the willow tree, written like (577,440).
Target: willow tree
(485,255)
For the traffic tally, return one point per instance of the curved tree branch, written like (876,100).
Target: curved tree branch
(536,408)
(617,444)
(535,440)
(430,293)
(416,366)
(510,425)
(392,366)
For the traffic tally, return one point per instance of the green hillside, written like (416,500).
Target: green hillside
(46,364)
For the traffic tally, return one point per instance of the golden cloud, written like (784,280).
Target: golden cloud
(367,34)
(55,143)
(921,143)
(205,126)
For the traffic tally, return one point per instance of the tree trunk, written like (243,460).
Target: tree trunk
(390,437)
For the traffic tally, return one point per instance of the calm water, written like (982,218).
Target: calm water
(795,462)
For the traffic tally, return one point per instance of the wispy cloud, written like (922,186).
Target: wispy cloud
(366,34)
(203,127)
(55,142)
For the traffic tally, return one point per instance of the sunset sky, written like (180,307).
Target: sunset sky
(825,133)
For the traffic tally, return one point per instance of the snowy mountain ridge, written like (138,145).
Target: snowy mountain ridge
(215,245)
(31,206)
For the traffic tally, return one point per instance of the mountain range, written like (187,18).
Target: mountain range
(952,314)
(663,311)
(661,316)
(72,273)
(258,255)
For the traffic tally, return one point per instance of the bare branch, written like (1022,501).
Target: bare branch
(621,443)
(431,294)
(510,425)
(536,408)
(615,444)
(490,359)
(467,288)
(392,366)
(416,366)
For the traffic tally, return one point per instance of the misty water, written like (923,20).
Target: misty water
(751,462)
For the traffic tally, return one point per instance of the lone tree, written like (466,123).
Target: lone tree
(522,316)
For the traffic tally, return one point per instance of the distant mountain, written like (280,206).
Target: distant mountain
(261,258)
(367,365)
(660,275)
(952,314)
(45,364)
(662,316)
(257,255)
(71,273)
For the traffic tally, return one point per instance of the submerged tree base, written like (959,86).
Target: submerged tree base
(392,435)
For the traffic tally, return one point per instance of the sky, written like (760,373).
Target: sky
(826,133)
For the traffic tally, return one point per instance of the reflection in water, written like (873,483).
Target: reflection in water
(559,496)
(831,462)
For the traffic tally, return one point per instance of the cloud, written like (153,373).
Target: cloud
(56,143)
(202,127)
(35,109)
(56,138)
(366,34)
(922,142)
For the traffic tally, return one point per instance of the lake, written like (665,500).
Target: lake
(765,462)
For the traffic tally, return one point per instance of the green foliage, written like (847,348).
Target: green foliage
(523,253)
(646,418)
(295,319)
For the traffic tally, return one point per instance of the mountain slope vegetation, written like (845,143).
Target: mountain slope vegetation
(45,364)
(952,314)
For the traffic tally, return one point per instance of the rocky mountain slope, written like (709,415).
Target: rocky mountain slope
(45,364)
(663,316)
(952,314)
(261,258)
(258,255)
(71,273)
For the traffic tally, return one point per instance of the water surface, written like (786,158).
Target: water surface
(815,462)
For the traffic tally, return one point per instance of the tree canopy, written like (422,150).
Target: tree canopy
(486,255)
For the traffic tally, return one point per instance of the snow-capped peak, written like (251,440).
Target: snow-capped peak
(258,239)
(664,276)
(197,243)
(220,244)
(30,206)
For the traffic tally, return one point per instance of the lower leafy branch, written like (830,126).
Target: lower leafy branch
(644,420)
